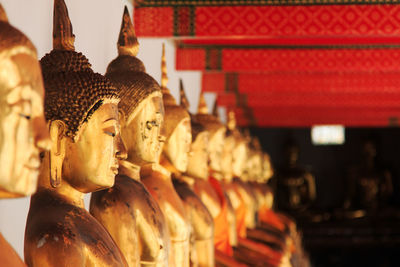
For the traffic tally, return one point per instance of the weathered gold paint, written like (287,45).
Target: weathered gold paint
(86,146)
(127,210)
(23,131)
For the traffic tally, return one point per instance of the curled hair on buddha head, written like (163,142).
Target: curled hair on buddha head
(127,72)
(73,92)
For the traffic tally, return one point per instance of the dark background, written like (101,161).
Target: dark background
(329,163)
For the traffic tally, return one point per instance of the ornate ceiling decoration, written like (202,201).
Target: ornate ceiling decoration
(288,63)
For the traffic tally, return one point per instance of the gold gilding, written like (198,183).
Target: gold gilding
(81,109)
(202,107)
(63,37)
(140,231)
(3,14)
(174,114)
(23,129)
(184,101)
(216,132)
(164,76)
(202,234)
(127,41)
(174,158)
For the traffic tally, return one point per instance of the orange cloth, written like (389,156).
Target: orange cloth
(240,213)
(274,257)
(268,216)
(221,229)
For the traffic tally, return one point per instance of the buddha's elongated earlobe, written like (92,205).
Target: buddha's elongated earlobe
(57,152)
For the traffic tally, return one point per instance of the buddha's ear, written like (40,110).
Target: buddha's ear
(122,118)
(57,151)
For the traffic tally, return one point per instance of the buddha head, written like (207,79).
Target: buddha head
(369,149)
(267,169)
(239,151)
(227,156)
(177,128)
(292,151)
(216,131)
(198,156)
(81,108)
(141,107)
(255,160)
(23,131)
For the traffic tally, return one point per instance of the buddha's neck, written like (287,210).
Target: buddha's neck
(188,179)
(129,169)
(216,174)
(166,163)
(64,190)
(148,169)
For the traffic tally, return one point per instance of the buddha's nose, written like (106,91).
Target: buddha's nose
(41,134)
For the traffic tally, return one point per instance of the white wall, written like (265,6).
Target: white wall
(96,25)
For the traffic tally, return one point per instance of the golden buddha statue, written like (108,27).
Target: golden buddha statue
(295,185)
(244,202)
(157,177)
(23,132)
(202,235)
(208,187)
(141,230)
(81,108)
(369,184)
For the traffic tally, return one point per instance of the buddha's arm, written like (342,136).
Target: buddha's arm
(311,186)
(122,230)
(54,251)
(152,240)
(387,186)
(203,230)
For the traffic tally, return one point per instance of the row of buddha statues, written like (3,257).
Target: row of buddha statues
(367,191)
(169,188)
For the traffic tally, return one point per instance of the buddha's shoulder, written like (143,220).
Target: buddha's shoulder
(125,191)
(57,221)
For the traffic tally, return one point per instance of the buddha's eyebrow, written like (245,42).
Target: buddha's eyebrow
(110,119)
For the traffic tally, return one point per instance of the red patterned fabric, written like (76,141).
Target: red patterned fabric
(154,21)
(320,83)
(317,21)
(190,59)
(213,82)
(291,60)
(308,116)
(302,82)
(320,60)
(299,21)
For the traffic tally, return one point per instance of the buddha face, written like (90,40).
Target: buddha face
(178,145)
(142,134)
(267,170)
(23,130)
(198,157)
(227,157)
(91,159)
(215,148)
(292,154)
(239,158)
(256,168)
